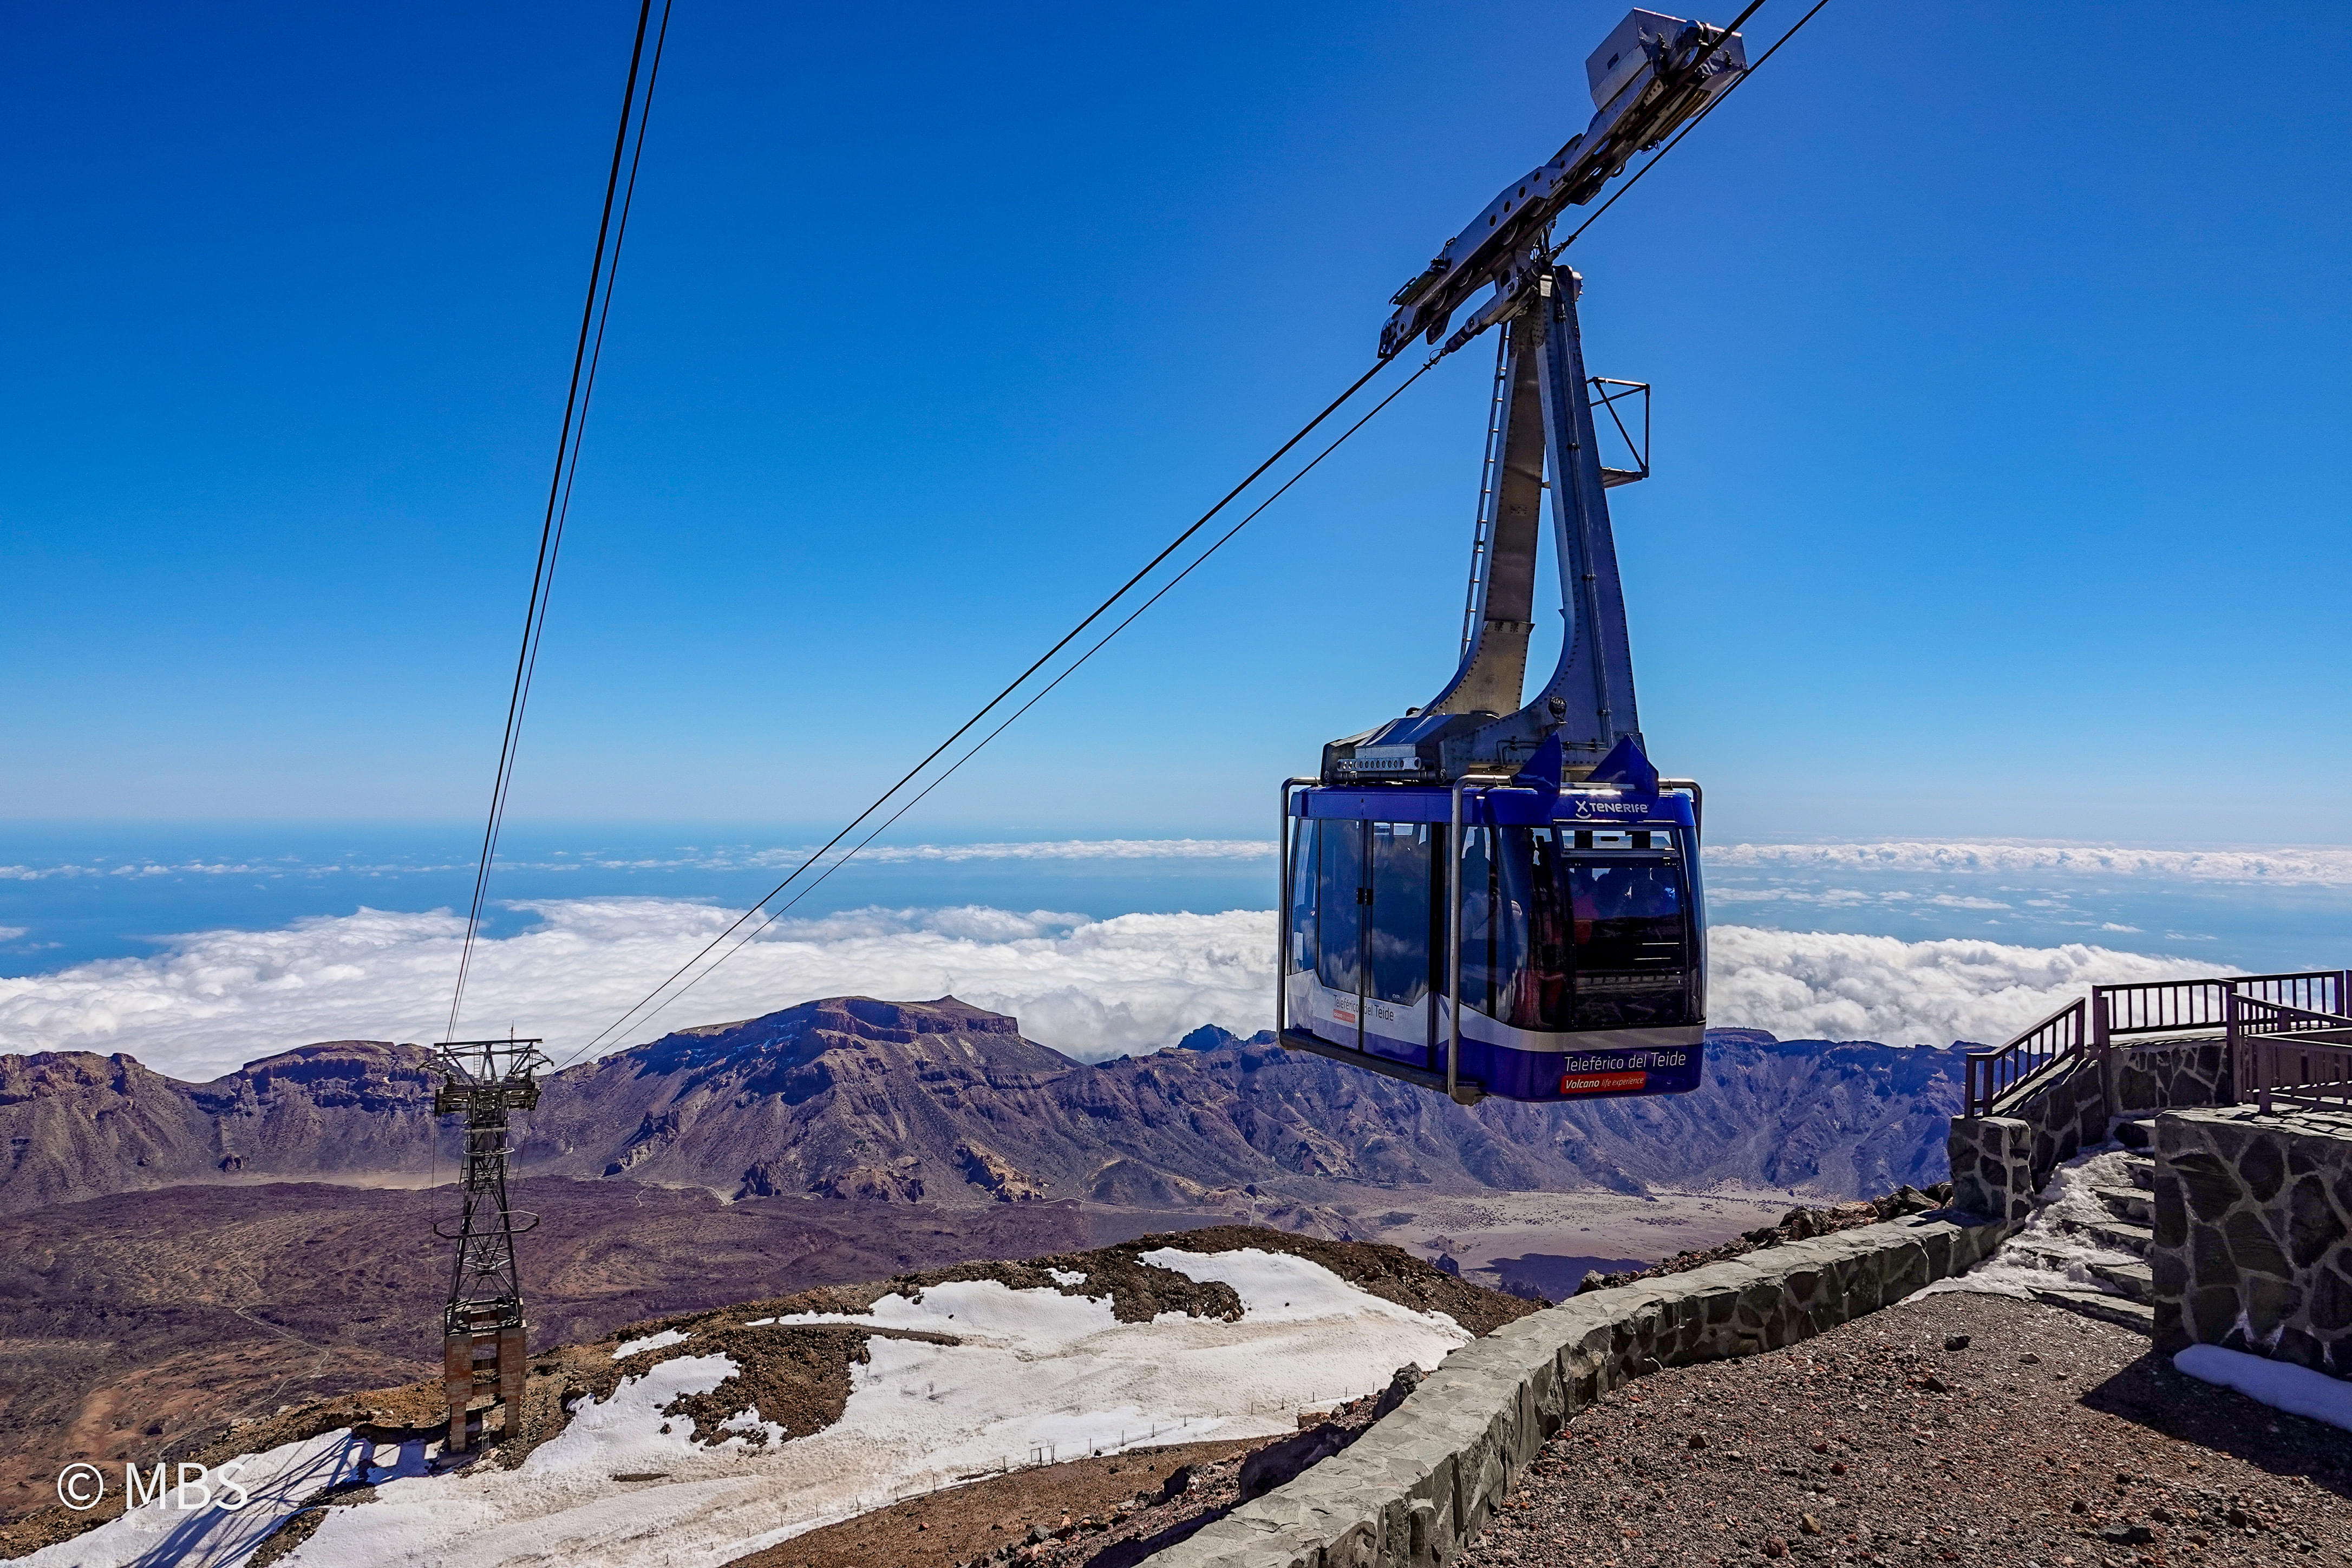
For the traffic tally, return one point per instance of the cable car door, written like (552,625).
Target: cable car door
(1340,898)
(1397,971)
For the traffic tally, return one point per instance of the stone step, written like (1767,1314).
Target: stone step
(2135,1281)
(2123,1235)
(2128,1202)
(2136,1134)
(2143,1174)
(2098,1304)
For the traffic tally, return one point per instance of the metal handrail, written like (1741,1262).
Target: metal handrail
(2299,1005)
(2319,990)
(1607,402)
(2311,1050)
(2157,1007)
(2176,1006)
(1990,1075)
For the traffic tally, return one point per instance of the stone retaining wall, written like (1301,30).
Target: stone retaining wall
(2167,1074)
(1417,1485)
(2000,1162)
(2254,1234)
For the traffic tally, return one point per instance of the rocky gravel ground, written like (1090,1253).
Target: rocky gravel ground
(1102,1512)
(1955,1428)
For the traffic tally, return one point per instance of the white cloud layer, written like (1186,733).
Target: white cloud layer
(215,1000)
(1828,985)
(739,858)
(2319,866)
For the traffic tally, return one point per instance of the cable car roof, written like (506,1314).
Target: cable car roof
(1504,807)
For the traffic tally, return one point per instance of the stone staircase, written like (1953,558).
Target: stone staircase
(2128,1225)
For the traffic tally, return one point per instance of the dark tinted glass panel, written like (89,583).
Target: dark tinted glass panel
(1630,952)
(1478,932)
(1532,959)
(1302,897)
(1400,941)
(1338,877)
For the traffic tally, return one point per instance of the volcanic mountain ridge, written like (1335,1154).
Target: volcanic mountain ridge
(943,1103)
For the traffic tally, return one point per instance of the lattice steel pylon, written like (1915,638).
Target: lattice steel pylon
(483,1330)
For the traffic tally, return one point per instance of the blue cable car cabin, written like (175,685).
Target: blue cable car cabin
(1487,896)
(1582,939)
(1497,894)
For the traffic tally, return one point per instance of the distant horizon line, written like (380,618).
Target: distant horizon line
(1016,834)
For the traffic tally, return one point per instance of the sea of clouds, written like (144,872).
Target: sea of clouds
(2318,866)
(1094,988)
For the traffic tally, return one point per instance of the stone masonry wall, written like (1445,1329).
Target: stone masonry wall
(2000,1162)
(1415,1489)
(1991,1155)
(1992,1166)
(2254,1234)
(2168,1074)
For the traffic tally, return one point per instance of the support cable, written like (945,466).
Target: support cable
(655,998)
(977,746)
(992,703)
(604,267)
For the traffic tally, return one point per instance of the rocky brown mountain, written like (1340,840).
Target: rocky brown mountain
(79,1125)
(943,1103)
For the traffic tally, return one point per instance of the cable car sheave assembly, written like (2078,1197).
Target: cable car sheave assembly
(1489,896)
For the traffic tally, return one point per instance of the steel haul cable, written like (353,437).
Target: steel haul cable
(948,772)
(602,270)
(992,703)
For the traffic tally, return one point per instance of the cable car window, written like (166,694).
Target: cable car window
(1630,942)
(1617,838)
(1302,897)
(1338,879)
(1531,990)
(1477,920)
(1400,934)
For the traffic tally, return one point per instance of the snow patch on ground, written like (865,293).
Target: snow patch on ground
(2044,1253)
(1032,1376)
(660,1341)
(628,1432)
(2281,1384)
(392,1463)
(1278,1286)
(188,1527)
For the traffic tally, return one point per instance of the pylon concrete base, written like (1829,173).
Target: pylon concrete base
(493,1359)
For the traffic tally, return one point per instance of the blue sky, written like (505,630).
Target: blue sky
(2001,482)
